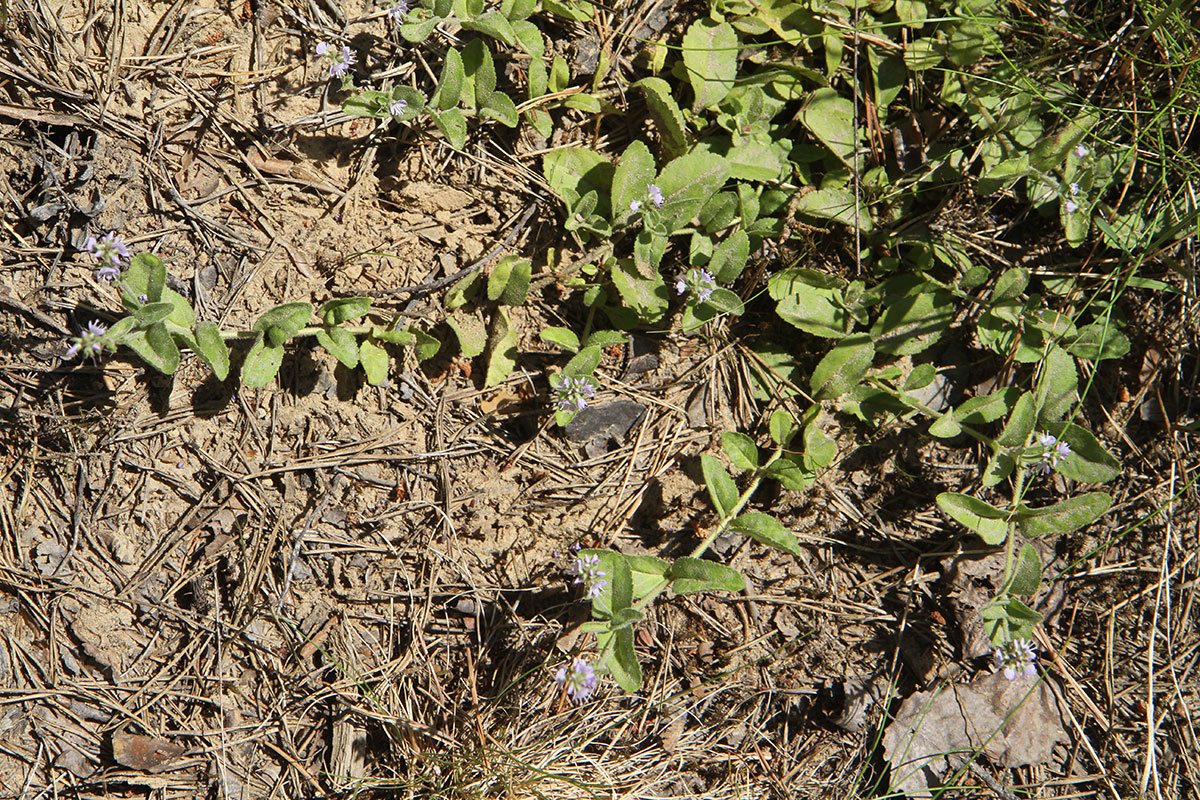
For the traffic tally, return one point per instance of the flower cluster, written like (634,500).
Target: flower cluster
(340,60)
(699,283)
(1053,451)
(586,570)
(573,393)
(578,678)
(1016,657)
(108,250)
(656,199)
(396,9)
(89,340)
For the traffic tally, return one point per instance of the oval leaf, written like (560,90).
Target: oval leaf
(721,487)
(765,529)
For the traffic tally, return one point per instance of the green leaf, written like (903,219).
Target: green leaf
(605,338)
(341,344)
(494,24)
(212,348)
(1027,572)
(574,10)
(1088,462)
(453,126)
(921,376)
(418,29)
(151,313)
(450,87)
(529,38)
(502,348)
(689,575)
(890,74)
(999,467)
(1020,422)
(262,363)
(1010,284)
(427,346)
(1003,174)
(1051,152)
(572,172)
(501,108)
(622,585)
(721,488)
(647,573)
(945,426)
(1099,340)
(344,309)
(710,52)
(472,338)
(479,74)
(1057,385)
(562,337)
(729,257)
(809,300)
(367,103)
(634,172)
(725,302)
(830,118)
(584,362)
(819,449)
(667,115)
(782,426)
(765,529)
(287,319)
(791,474)
(742,450)
(836,204)
(463,291)
(155,346)
(911,323)
(518,9)
(626,618)
(620,658)
(1008,619)
(687,183)
(984,519)
(156,276)
(509,281)
(1064,517)
(374,360)
(842,367)
(646,296)
(987,408)
(414,104)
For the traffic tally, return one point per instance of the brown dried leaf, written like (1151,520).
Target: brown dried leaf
(144,753)
(1014,723)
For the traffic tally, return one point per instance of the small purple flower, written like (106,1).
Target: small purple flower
(578,679)
(89,340)
(656,195)
(1061,451)
(108,272)
(397,10)
(1053,451)
(1017,657)
(699,282)
(1070,206)
(586,570)
(635,206)
(1046,439)
(340,60)
(573,393)
(397,107)
(143,298)
(108,250)
(1081,150)
(1074,187)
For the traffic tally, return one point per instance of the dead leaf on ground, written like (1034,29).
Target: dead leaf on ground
(144,753)
(1014,723)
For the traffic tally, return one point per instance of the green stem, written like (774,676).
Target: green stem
(721,527)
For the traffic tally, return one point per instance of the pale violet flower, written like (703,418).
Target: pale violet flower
(1053,451)
(1017,658)
(698,282)
(578,679)
(1074,187)
(573,393)
(397,9)
(656,195)
(1070,206)
(635,206)
(397,107)
(587,571)
(341,60)
(88,341)
(1081,150)
(108,250)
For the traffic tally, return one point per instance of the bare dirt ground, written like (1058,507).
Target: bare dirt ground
(324,587)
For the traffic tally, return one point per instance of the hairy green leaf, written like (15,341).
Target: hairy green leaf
(1064,517)
(742,450)
(710,57)
(689,575)
(721,488)
(262,363)
(842,367)
(341,344)
(765,529)
(212,348)
(989,522)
